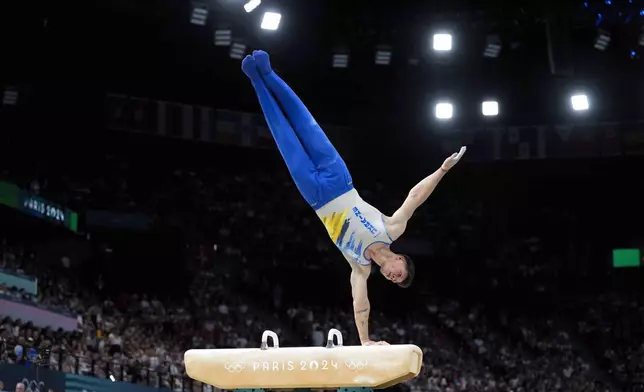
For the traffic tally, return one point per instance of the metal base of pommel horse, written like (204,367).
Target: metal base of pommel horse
(339,367)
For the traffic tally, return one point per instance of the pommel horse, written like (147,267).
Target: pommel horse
(345,368)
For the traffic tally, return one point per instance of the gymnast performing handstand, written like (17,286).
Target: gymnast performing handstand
(360,231)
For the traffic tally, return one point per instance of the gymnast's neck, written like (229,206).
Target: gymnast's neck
(380,254)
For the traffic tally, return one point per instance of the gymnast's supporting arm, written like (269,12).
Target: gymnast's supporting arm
(361,305)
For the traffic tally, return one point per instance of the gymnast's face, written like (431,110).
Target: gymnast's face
(395,269)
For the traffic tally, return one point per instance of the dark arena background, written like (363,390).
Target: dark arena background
(145,210)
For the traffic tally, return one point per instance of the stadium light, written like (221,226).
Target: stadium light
(340,60)
(490,108)
(579,102)
(237,50)
(271,21)
(199,14)
(383,55)
(444,110)
(493,46)
(602,40)
(10,96)
(251,5)
(223,37)
(442,42)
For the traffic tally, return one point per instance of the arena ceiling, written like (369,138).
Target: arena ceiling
(151,48)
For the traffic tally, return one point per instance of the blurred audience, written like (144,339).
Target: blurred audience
(256,258)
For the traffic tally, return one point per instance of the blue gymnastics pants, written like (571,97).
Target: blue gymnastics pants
(319,172)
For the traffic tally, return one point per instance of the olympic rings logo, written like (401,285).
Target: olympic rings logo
(234,367)
(355,365)
(33,386)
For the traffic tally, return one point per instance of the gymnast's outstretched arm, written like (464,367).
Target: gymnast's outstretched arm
(419,194)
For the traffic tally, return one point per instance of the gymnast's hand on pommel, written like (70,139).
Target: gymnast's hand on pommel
(453,159)
(372,343)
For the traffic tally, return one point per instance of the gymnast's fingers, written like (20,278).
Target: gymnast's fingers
(461,152)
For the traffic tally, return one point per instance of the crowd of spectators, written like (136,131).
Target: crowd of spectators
(247,235)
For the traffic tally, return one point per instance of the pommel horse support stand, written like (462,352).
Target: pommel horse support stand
(347,368)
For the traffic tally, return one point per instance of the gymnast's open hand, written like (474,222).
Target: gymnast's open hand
(453,159)
(372,343)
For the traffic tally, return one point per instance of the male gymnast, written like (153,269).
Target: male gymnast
(361,232)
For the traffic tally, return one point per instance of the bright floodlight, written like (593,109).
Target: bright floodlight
(251,5)
(444,110)
(271,21)
(579,102)
(442,42)
(490,108)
